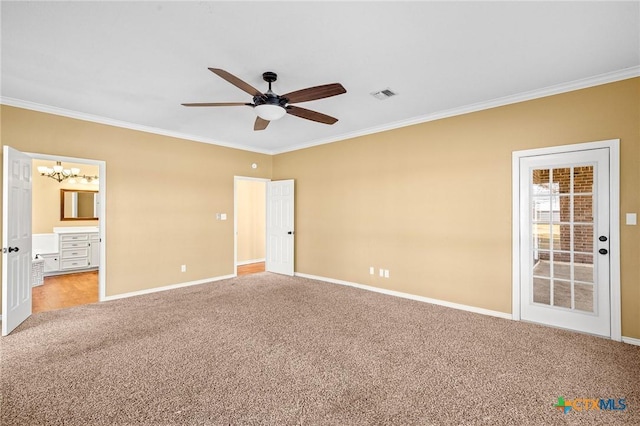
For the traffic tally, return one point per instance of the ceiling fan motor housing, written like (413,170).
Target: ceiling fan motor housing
(270,98)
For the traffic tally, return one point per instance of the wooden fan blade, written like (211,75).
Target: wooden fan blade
(242,85)
(260,124)
(311,115)
(313,93)
(210,104)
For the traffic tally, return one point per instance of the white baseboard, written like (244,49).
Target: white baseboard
(628,340)
(410,296)
(249,262)
(631,341)
(167,287)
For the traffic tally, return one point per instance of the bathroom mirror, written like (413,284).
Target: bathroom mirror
(78,204)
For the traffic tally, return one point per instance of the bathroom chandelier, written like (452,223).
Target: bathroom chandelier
(60,174)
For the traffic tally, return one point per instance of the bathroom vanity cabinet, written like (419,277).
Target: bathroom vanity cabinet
(76,250)
(79,251)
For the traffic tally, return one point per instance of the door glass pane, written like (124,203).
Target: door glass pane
(583,269)
(562,270)
(540,182)
(561,181)
(583,238)
(554,213)
(583,179)
(562,239)
(542,267)
(583,208)
(541,210)
(541,236)
(541,291)
(561,208)
(562,294)
(584,297)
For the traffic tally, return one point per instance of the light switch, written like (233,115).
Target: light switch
(632,219)
(223,216)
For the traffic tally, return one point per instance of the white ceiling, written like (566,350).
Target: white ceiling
(136,62)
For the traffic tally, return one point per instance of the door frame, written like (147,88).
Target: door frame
(613,145)
(102,211)
(235,217)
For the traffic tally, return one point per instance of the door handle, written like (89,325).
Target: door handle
(290,232)
(603,251)
(602,238)
(16,249)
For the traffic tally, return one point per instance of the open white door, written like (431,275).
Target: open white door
(280,229)
(16,239)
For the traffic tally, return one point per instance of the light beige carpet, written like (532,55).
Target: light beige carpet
(270,350)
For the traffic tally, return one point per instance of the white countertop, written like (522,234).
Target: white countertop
(75,229)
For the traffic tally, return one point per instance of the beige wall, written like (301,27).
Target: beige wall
(162,195)
(432,202)
(251,205)
(46,197)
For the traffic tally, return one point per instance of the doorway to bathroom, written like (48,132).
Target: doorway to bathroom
(78,249)
(65,235)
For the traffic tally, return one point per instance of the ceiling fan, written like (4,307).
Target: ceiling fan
(270,106)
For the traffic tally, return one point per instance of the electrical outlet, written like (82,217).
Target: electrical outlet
(381,272)
(386,273)
(183,268)
(372,270)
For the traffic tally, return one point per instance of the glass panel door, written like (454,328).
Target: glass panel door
(564,240)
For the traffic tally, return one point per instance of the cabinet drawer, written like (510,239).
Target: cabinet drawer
(74,253)
(74,263)
(74,237)
(74,244)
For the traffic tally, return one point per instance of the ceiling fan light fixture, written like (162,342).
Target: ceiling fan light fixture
(270,112)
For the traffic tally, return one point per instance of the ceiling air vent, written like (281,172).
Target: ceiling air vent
(383,94)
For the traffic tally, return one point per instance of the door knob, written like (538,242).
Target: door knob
(290,232)
(603,251)
(602,238)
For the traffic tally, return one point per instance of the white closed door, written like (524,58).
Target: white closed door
(280,227)
(564,240)
(16,239)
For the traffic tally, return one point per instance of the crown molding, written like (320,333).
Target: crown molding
(498,102)
(19,103)
(506,100)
